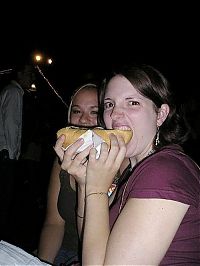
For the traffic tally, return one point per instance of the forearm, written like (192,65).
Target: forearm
(50,242)
(80,212)
(96,229)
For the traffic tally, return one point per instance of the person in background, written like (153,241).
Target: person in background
(59,241)
(11,107)
(154,218)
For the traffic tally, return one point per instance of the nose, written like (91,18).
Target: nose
(85,119)
(116,113)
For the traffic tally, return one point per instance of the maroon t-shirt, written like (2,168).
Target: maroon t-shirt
(169,174)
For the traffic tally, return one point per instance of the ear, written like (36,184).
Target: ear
(162,114)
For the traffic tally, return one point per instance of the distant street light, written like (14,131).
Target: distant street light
(49,61)
(38,58)
(42,59)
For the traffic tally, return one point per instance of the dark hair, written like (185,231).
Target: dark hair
(150,83)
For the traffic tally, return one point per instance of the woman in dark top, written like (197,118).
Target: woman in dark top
(59,239)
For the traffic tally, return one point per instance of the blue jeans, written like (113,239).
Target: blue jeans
(65,258)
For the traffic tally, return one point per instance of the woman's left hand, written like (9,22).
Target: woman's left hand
(101,171)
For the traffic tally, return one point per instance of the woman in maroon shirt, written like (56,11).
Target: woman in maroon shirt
(155,215)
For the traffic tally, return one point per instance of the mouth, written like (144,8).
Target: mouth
(122,127)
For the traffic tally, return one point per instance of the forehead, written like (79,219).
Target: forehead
(120,85)
(85,96)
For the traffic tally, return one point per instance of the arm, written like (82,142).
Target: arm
(141,235)
(99,177)
(53,228)
(76,169)
(80,210)
(12,113)
(154,223)
(144,226)
(81,200)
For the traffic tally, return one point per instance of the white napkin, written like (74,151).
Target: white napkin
(91,138)
(12,255)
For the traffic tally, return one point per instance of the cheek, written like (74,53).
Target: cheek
(144,130)
(93,121)
(74,119)
(107,120)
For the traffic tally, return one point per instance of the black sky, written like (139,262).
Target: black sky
(81,39)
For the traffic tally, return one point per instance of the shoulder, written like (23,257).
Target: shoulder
(168,172)
(12,89)
(170,161)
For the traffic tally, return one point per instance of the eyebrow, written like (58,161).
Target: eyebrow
(127,98)
(92,106)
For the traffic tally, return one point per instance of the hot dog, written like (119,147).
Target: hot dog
(73,133)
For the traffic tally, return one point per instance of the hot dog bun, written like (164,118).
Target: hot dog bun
(73,133)
(104,134)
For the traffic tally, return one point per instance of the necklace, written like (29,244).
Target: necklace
(150,152)
(125,187)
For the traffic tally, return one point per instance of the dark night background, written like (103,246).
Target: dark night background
(84,43)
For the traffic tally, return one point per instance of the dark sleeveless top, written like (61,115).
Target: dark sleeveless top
(66,208)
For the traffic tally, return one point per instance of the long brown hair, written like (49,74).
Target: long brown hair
(152,84)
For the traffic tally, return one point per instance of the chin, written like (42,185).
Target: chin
(130,150)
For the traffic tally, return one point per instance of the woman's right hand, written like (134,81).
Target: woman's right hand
(58,147)
(71,161)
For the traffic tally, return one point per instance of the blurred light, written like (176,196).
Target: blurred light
(38,58)
(6,71)
(42,59)
(49,61)
(33,87)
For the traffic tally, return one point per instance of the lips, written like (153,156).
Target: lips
(122,127)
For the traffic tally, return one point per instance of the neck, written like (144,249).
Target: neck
(137,159)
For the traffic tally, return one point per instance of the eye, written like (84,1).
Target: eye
(94,112)
(133,103)
(108,105)
(74,111)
